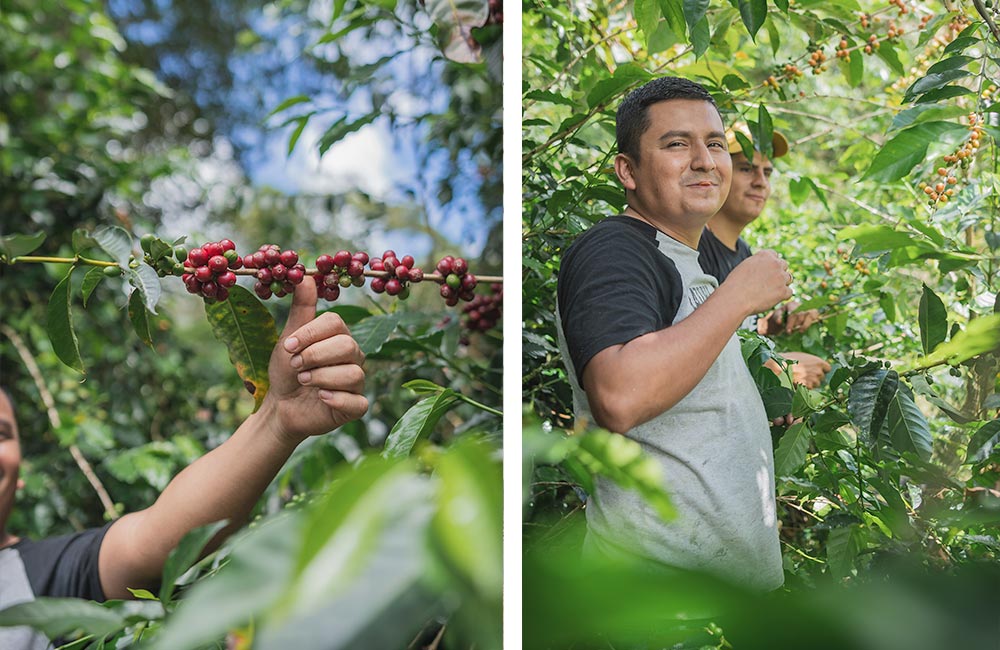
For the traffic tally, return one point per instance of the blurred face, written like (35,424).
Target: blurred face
(684,168)
(10,461)
(750,188)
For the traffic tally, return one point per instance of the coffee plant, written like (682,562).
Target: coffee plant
(888,482)
(115,332)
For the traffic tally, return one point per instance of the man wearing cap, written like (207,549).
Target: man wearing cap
(721,249)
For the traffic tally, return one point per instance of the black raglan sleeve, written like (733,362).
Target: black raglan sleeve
(614,285)
(66,566)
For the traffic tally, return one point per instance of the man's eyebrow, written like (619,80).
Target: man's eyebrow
(678,133)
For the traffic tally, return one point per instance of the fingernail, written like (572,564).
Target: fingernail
(291,344)
(304,377)
(296,361)
(325,394)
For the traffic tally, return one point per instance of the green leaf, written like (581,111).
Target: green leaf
(694,12)
(137,314)
(933,319)
(647,17)
(183,557)
(764,135)
(625,76)
(854,69)
(422,386)
(790,455)
(700,38)
(876,238)
(418,422)
(90,281)
(291,101)
(926,113)
(777,401)
(342,128)
(947,92)
(920,385)
(56,617)
(933,82)
(16,245)
(753,13)
(297,133)
(842,548)
(59,325)
(147,282)
(951,63)
(372,333)
(980,335)
(82,240)
(983,441)
(907,149)
(247,329)
(116,242)
(961,44)
(868,401)
(623,461)
(908,428)
(468,524)
(830,420)
(673,13)
(351,314)
(888,53)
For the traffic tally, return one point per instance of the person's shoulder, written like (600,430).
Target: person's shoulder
(619,230)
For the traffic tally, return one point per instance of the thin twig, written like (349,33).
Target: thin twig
(56,422)
(437,639)
(989,20)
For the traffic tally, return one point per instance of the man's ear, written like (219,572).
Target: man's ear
(624,170)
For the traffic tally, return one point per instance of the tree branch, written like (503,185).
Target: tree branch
(55,420)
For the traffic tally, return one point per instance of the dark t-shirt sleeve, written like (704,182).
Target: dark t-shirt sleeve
(614,285)
(66,566)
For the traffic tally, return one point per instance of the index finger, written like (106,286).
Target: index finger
(324,326)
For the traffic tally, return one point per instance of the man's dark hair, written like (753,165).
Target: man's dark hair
(632,118)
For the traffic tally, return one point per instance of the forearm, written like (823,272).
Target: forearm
(225,483)
(629,384)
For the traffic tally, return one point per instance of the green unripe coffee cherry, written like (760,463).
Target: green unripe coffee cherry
(358,281)
(231,256)
(180,253)
(133,263)
(146,241)
(404,293)
(453,281)
(345,281)
(112,271)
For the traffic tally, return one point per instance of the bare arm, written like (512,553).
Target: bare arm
(632,383)
(226,482)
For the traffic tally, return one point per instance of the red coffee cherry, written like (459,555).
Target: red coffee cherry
(289,258)
(460,266)
(342,258)
(227,279)
(197,257)
(402,272)
(227,245)
(355,268)
(203,274)
(218,263)
(378,285)
(444,265)
(407,261)
(393,286)
(324,264)
(416,275)
(360,256)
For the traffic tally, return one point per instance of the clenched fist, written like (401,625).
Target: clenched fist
(760,281)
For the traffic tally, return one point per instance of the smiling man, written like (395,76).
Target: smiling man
(650,343)
(722,248)
(316,385)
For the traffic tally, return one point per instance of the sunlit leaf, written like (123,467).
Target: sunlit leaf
(417,423)
(147,284)
(980,335)
(372,332)
(623,461)
(247,329)
(116,242)
(907,149)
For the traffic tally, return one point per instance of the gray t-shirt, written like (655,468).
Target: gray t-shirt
(714,446)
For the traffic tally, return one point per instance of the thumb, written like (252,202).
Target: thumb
(303,307)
